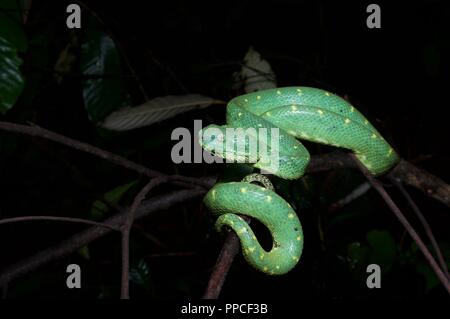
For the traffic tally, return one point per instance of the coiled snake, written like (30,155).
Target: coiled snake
(298,113)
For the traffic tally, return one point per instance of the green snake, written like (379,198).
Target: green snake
(297,113)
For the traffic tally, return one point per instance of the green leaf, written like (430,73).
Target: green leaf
(431,280)
(84,252)
(140,275)
(11,27)
(104,91)
(357,255)
(99,209)
(11,79)
(383,249)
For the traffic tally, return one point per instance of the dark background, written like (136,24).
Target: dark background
(397,76)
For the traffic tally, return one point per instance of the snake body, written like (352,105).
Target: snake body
(298,113)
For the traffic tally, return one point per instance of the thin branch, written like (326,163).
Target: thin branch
(126,229)
(58,219)
(354,194)
(379,188)
(425,225)
(229,250)
(223,264)
(106,155)
(408,173)
(72,244)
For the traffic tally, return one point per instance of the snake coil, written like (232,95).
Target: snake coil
(297,113)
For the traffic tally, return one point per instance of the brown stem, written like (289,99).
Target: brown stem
(126,229)
(113,158)
(379,188)
(223,264)
(56,218)
(425,225)
(79,240)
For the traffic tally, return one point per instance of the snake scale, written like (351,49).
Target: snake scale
(297,113)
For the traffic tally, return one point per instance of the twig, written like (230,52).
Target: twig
(114,158)
(126,229)
(425,225)
(356,193)
(406,172)
(379,188)
(223,264)
(229,250)
(409,174)
(58,219)
(81,239)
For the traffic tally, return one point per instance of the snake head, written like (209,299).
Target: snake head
(212,138)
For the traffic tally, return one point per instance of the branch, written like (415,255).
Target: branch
(354,194)
(223,264)
(126,229)
(34,130)
(56,218)
(379,188)
(405,171)
(229,250)
(425,225)
(81,239)
(408,173)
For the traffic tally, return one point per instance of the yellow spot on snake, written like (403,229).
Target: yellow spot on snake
(295,146)
(366,122)
(261,256)
(303,134)
(243,190)
(291,132)
(320,112)
(231,222)
(242,230)
(321,140)
(258,97)
(265,268)
(352,109)
(213,193)
(269,114)
(239,114)
(299,238)
(299,90)
(278,92)
(295,258)
(259,125)
(269,199)
(277,267)
(347,121)
(374,135)
(252,249)
(246,250)
(294,108)
(254,237)
(327,94)
(389,152)
(290,216)
(245,100)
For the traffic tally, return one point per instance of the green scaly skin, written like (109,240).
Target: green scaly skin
(299,112)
